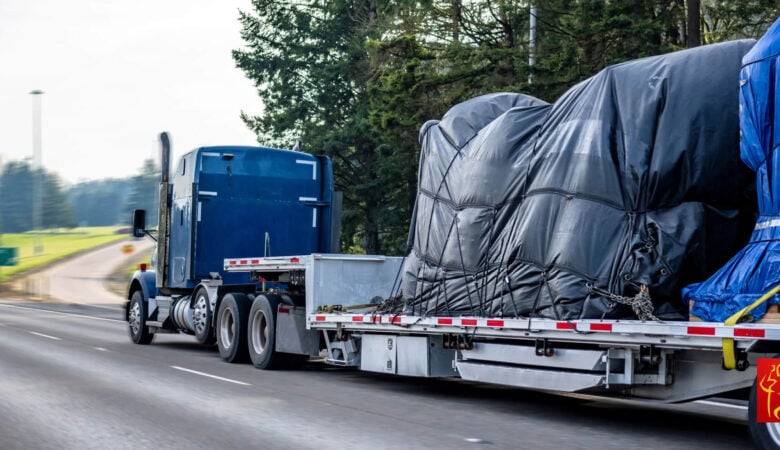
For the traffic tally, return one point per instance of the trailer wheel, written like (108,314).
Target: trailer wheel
(136,318)
(262,333)
(201,318)
(231,327)
(765,436)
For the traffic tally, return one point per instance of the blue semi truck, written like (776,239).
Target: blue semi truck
(286,205)
(246,258)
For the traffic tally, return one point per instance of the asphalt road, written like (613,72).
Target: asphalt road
(71,378)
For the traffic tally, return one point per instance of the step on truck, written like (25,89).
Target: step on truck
(246,259)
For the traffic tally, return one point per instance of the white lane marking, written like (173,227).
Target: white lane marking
(63,313)
(725,405)
(45,335)
(210,376)
(101,349)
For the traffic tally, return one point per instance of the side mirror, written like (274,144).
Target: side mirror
(139,222)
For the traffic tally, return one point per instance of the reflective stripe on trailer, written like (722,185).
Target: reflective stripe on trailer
(678,329)
(269,263)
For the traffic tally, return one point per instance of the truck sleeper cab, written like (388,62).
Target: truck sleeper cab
(225,200)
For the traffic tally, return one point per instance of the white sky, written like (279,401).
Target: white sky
(115,73)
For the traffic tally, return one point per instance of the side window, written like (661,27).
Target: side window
(182,169)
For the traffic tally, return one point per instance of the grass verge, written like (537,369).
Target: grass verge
(56,245)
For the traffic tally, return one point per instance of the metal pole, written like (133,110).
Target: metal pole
(37,169)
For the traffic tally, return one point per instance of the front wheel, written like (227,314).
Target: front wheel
(136,318)
(231,327)
(201,318)
(765,436)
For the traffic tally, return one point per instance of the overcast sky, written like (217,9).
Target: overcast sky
(115,73)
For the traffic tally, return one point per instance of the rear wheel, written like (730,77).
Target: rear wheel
(261,332)
(136,318)
(231,327)
(765,436)
(201,318)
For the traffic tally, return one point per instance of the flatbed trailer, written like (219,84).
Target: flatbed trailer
(659,361)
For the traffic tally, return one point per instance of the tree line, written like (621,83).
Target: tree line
(356,79)
(93,203)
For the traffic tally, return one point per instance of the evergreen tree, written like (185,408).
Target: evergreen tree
(143,193)
(101,202)
(16,199)
(56,209)
(309,64)
(357,79)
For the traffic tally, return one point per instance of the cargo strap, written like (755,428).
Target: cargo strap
(729,350)
(328,309)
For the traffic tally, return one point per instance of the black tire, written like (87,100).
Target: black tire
(261,333)
(136,319)
(202,318)
(766,436)
(231,327)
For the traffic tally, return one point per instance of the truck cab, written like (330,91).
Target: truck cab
(223,201)
(245,201)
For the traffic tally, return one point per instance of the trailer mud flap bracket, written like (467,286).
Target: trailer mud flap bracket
(343,352)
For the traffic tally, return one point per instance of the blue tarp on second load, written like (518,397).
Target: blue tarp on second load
(756,268)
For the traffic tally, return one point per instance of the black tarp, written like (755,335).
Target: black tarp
(632,177)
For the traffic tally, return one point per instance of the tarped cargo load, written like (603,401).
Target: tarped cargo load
(756,268)
(631,178)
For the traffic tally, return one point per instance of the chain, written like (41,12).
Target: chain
(641,303)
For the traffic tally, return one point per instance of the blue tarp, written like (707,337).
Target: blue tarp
(756,268)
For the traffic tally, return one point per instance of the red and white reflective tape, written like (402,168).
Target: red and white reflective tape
(679,329)
(251,262)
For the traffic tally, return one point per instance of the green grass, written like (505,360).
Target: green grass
(57,244)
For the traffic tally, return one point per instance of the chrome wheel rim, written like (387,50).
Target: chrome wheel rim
(200,314)
(259,332)
(134,317)
(227,330)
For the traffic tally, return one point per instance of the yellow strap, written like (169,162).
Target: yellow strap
(729,352)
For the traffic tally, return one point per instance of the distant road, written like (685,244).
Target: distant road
(82,279)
